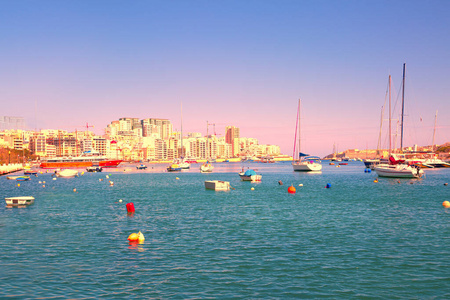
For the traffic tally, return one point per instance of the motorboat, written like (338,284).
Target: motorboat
(217,185)
(19,201)
(206,167)
(250,175)
(18,178)
(173,168)
(67,173)
(141,167)
(94,169)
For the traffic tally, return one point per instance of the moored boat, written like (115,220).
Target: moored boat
(141,167)
(217,185)
(206,167)
(67,173)
(18,178)
(173,168)
(250,175)
(85,160)
(19,201)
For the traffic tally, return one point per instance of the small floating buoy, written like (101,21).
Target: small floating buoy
(376,180)
(18,184)
(43,185)
(40,182)
(136,237)
(120,200)
(177,178)
(43,182)
(301,184)
(280,182)
(130,207)
(291,189)
(328,185)
(446,204)
(446,183)
(107,176)
(111,183)
(252,189)
(365,170)
(74,190)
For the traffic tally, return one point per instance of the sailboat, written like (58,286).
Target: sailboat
(179,163)
(397,168)
(303,162)
(207,167)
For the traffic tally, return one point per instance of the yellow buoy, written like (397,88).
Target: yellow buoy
(18,184)
(177,178)
(133,237)
(376,180)
(74,190)
(252,188)
(141,237)
(446,204)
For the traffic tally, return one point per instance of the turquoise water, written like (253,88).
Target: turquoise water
(358,239)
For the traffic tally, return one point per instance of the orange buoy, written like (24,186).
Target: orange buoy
(291,189)
(133,237)
(446,204)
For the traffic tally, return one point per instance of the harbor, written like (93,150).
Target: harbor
(375,239)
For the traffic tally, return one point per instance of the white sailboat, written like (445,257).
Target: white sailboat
(397,168)
(207,167)
(303,163)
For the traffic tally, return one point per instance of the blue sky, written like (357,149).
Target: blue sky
(241,63)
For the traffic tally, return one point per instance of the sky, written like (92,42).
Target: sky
(242,63)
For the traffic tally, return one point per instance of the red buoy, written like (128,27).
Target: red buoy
(130,207)
(291,189)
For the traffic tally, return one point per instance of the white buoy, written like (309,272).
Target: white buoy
(301,184)
(120,200)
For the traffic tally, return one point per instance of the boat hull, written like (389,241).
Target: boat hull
(79,164)
(306,167)
(217,185)
(250,178)
(398,171)
(19,201)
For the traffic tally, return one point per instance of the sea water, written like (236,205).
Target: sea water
(357,239)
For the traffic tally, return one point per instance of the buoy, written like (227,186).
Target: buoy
(376,180)
(54,178)
(291,189)
(107,176)
(74,190)
(133,237)
(280,182)
(18,184)
(82,173)
(252,188)
(446,204)
(301,184)
(177,178)
(446,183)
(136,237)
(130,207)
(365,170)
(369,171)
(120,200)
(43,185)
(111,183)
(43,182)
(328,185)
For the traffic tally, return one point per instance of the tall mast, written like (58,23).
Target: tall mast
(434,130)
(403,107)
(390,129)
(182,154)
(299,119)
(207,140)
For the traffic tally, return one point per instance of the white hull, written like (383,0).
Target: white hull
(206,168)
(67,173)
(19,201)
(217,185)
(306,166)
(184,165)
(398,171)
(250,178)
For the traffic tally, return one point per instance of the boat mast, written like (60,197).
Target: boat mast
(182,154)
(299,119)
(390,129)
(434,130)
(403,107)
(294,154)
(207,140)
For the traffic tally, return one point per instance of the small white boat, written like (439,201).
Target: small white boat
(398,171)
(250,175)
(19,201)
(141,167)
(207,167)
(217,185)
(67,173)
(18,178)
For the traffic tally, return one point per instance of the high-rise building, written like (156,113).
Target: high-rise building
(232,138)
(12,123)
